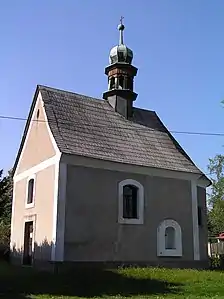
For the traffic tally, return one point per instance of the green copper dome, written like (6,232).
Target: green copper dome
(121,53)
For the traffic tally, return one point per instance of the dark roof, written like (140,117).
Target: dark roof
(89,127)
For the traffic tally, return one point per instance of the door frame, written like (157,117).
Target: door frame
(29,218)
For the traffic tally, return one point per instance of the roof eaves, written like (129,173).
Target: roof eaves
(25,130)
(179,147)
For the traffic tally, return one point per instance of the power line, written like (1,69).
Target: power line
(124,128)
(12,118)
(94,125)
(198,133)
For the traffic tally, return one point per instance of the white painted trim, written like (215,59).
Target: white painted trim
(55,207)
(28,218)
(41,166)
(161,248)
(57,253)
(61,212)
(12,243)
(128,168)
(195,232)
(39,99)
(140,219)
(32,204)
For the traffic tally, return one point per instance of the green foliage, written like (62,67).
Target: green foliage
(5,207)
(216,196)
(4,234)
(5,197)
(216,216)
(216,170)
(215,262)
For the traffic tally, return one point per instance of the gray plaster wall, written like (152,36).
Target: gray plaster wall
(92,231)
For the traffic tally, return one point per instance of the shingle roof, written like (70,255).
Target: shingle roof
(86,126)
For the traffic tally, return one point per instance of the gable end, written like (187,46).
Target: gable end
(38,143)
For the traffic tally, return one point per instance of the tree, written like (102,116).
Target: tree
(6,186)
(216,196)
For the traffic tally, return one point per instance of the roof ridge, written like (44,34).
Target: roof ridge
(95,137)
(143,109)
(41,87)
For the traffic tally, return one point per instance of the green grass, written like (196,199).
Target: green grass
(25,283)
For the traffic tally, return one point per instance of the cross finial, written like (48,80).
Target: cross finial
(121,29)
(121,20)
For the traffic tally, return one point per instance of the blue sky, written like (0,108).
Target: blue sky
(178,47)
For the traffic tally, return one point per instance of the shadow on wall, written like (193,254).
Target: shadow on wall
(21,282)
(35,252)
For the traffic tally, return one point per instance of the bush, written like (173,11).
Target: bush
(4,233)
(215,262)
(4,240)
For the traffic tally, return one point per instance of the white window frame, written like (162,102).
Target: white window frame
(30,205)
(140,202)
(161,243)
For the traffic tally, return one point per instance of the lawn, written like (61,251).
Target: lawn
(25,283)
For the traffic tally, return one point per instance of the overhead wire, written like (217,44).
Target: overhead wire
(6,117)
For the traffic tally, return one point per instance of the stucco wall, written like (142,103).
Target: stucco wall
(41,213)
(38,146)
(92,232)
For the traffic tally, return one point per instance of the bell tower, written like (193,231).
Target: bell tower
(121,73)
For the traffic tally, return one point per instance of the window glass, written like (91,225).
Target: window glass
(30,191)
(170,238)
(130,202)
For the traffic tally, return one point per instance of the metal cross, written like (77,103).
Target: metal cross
(121,20)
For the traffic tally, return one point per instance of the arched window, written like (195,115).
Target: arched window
(169,238)
(131,202)
(112,82)
(130,83)
(121,82)
(30,192)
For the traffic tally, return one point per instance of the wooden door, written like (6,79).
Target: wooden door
(28,243)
